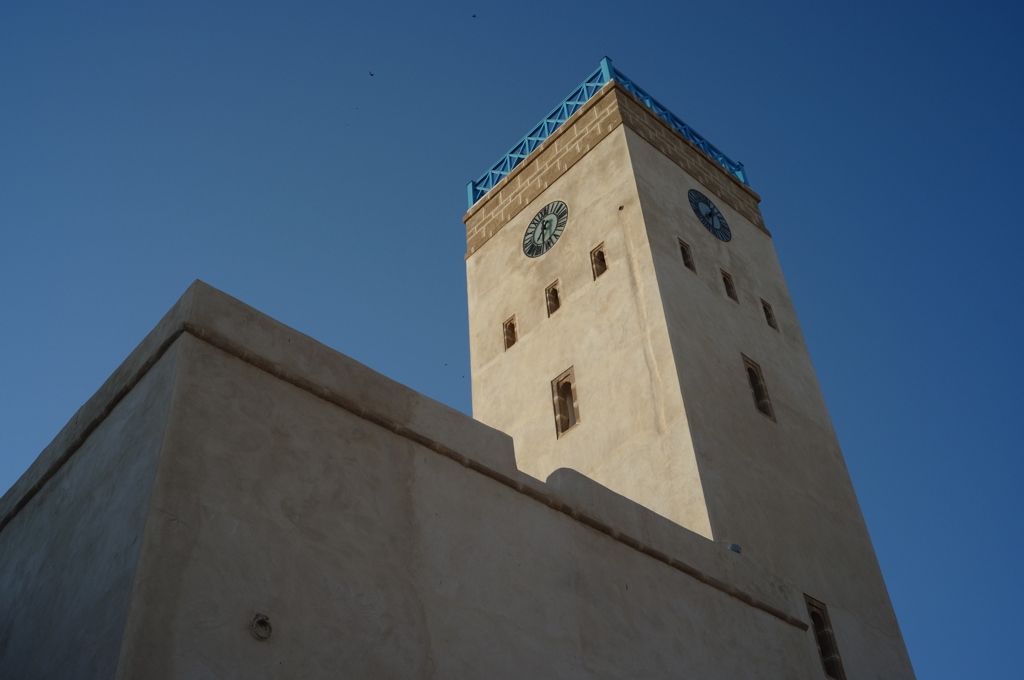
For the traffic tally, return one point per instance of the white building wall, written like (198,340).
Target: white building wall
(633,435)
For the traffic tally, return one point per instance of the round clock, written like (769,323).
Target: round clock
(710,216)
(545,228)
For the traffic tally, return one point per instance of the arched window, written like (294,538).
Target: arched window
(598,261)
(563,389)
(509,328)
(551,296)
(825,639)
(758,388)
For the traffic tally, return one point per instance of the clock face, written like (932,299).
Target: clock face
(710,216)
(545,228)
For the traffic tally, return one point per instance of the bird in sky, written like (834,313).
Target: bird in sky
(371,73)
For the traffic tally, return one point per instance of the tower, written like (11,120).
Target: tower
(238,498)
(629,319)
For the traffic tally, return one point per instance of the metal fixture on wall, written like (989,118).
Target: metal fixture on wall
(261,628)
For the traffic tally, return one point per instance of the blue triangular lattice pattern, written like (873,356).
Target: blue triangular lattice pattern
(569,106)
(735,167)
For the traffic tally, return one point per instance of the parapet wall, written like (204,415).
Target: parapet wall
(295,480)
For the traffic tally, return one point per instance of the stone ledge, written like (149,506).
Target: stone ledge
(97,408)
(254,337)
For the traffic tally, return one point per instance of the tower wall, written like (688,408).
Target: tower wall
(633,435)
(778,486)
(673,422)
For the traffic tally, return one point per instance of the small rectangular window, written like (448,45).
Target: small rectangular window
(563,393)
(769,315)
(757,388)
(684,249)
(730,287)
(825,639)
(509,329)
(551,297)
(598,261)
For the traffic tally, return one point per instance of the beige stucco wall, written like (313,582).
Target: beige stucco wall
(667,414)
(633,435)
(778,488)
(384,534)
(376,556)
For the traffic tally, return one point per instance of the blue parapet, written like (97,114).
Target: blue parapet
(570,105)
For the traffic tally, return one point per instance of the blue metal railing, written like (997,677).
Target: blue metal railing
(475,190)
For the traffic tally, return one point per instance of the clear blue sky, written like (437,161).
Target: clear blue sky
(247,145)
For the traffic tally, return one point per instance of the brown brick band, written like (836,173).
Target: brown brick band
(609,108)
(687,156)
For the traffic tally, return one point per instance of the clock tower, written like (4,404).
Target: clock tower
(629,320)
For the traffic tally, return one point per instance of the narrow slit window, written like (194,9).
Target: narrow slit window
(598,261)
(730,287)
(563,392)
(769,315)
(825,639)
(552,299)
(684,250)
(758,389)
(509,328)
